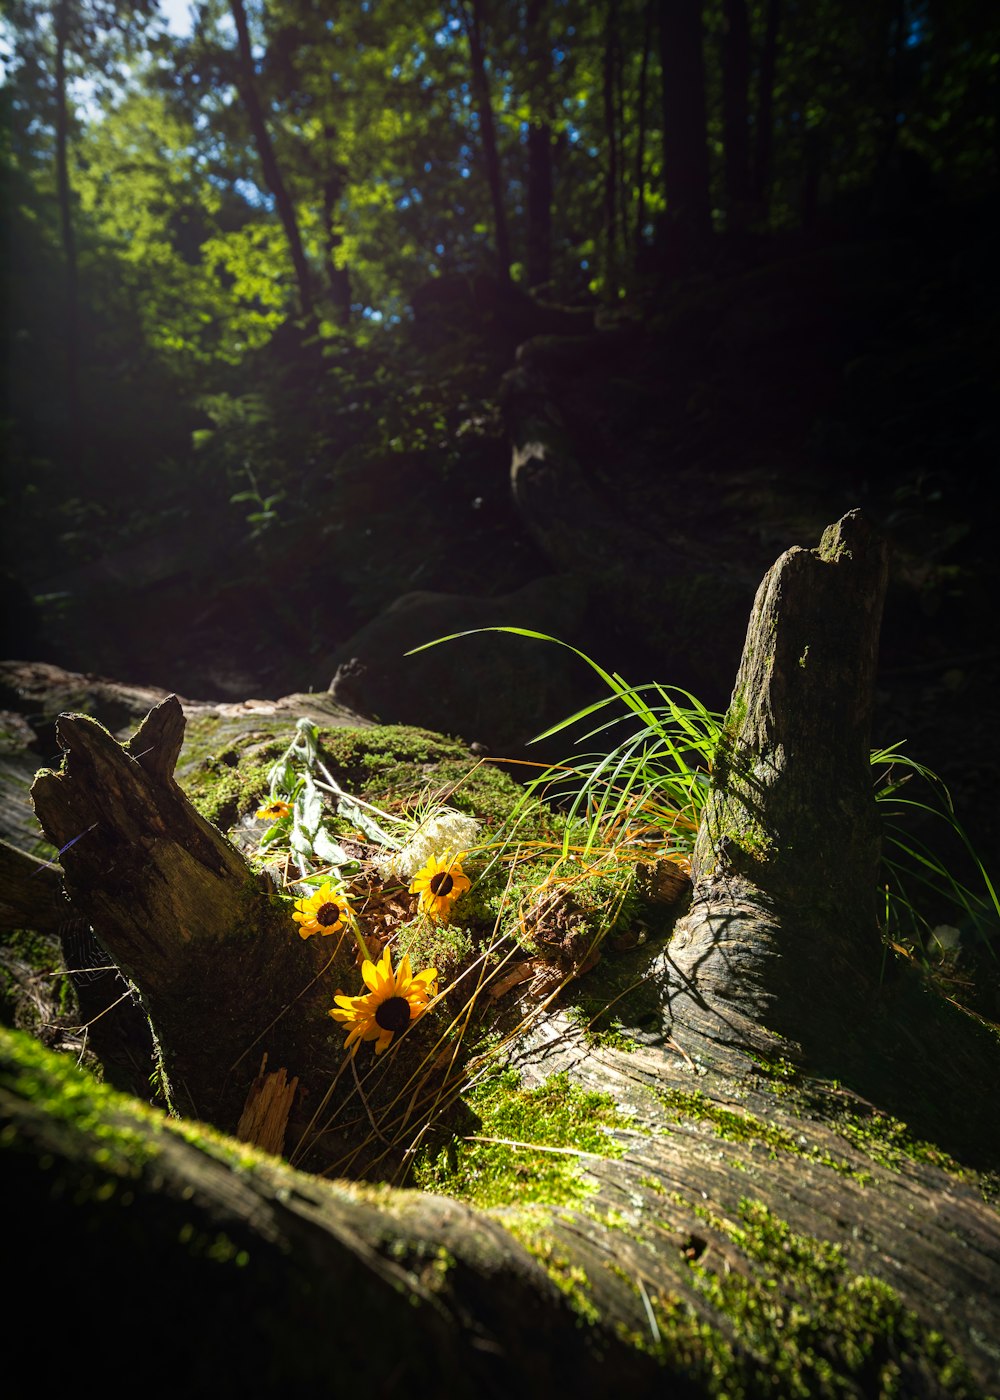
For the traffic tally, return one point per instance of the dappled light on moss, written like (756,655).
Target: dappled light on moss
(530,1145)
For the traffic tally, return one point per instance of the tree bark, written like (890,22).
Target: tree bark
(640,140)
(736,112)
(273,178)
(338,278)
(64,194)
(539,61)
(609,76)
(685,140)
(763,1225)
(792,801)
(472,15)
(764,132)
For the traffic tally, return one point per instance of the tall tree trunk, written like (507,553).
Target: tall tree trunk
(64,194)
(764,132)
(685,140)
(338,278)
(736,112)
(540,188)
(611,141)
(757,1223)
(640,142)
(472,15)
(269,164)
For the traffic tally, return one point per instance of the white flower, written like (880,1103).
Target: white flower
(442,829)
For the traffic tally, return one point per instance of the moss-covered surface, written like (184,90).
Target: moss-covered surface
(742,1126)
(529,902)
(226,775)
(56,1086)
(542,1139)
(793,1319)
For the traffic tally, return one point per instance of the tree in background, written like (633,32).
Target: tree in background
(247,86)
(55,47)
(272,161)
(685,150)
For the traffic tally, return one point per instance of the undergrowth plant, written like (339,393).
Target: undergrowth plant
(528,905)
(651,786)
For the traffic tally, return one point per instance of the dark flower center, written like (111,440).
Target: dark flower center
(441,884)
(327,914)
(393,1014)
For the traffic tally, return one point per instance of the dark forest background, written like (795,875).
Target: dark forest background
(266,280)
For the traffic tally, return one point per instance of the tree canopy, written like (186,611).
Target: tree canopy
(183,195)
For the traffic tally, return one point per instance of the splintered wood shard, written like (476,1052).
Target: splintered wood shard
(265,1114)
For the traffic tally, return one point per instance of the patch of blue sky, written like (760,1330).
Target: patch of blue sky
(178,16)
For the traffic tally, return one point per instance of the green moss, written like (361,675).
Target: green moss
(396,762)
(888,1142)
(570,1278)
(226,775)
(27,959)
(615,1036)
(68,1095)
(780,1074)
(35,949)
(832,547)
(800,1323)
(202,738)
(232,782)
(745,1127)
(564,1123)
(794,1322)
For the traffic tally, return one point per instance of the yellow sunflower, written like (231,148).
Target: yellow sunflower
(439,882)
(272,810)
(324,912)
(392,1001)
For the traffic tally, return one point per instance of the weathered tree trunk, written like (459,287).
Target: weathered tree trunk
(613,135)
(338,278)
(761,1227)
(792,800)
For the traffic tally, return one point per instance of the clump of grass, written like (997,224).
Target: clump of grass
(646,790)
(918,876)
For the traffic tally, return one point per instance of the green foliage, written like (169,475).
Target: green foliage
(529,1145)
(184,281)
(650,787)
(917,874)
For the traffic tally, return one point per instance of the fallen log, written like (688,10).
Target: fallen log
(750,1225)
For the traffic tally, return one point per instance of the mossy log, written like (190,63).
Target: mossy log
(760,1223)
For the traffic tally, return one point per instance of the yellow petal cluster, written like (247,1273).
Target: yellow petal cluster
(324,912)
(272,810)
(439,883)
(392,1001)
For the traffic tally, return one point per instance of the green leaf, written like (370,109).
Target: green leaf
(309,807)
(274,833)
(301,841)
(328,851)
